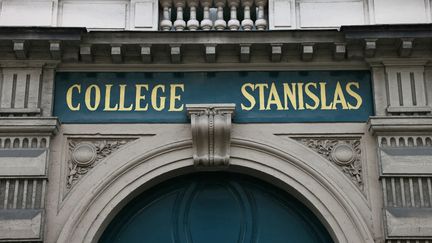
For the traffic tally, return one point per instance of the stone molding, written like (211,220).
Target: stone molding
(44,125)
(339,204)
(211,133)
(399,124)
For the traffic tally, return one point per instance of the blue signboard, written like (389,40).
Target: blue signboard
(260,97)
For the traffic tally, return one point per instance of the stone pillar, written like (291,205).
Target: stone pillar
(233,23)
(220,23)
(206,23)
(179,24)
(247,23)
(166,23)
(261,22)
(192,23)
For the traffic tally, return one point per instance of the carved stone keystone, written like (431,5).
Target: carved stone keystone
(211,134)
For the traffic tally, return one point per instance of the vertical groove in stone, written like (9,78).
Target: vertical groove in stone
(402,191)
(33,198)
(385,191)
(6,195)
(24,200)
(412,192)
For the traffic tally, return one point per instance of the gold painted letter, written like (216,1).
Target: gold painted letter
(323,92)
(354,95)
(122,99)
(248,96)
(174,97)
(311,95)
(108,99)
(154,96)
(139,97)
(69,97)
(339,98)
(261,95)
(97,96)
(274,99)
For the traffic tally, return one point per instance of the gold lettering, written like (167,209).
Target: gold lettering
(311,95)
(354,95)
(273,98)
(300,93)
(323,92)
(97,97)
(261,95)
(122,99)
(174,97)
(108,99)
(248,96)
(290,94)
(139,97)
(339,98)
(154,96)
(69,97)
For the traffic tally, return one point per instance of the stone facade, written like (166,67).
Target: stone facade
(369,182)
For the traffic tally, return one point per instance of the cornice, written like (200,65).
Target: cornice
(38,125)
(372,44)
(400,124)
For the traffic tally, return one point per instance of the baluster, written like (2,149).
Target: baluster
(234,23)
(220,23)
(166,23)
(179,24)
(193,23)
(261,22)
(206,23)
(247,23)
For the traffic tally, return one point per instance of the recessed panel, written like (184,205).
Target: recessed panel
(331,14)
(400,11)
(94,15)
(26,13)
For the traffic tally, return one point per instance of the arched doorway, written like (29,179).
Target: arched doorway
(214,208)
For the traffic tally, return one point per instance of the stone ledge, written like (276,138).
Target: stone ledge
(385,124)
(21,224)
(15,125)
(408,222)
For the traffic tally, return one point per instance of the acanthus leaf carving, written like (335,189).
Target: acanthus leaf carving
(85,154)
(345,153)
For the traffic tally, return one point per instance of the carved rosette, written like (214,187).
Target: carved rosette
(345,153)
(84,155)
(211,134)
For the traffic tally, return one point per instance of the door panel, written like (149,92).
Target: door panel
(215,208)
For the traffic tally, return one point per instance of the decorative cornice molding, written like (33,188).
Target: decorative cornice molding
(385,124)
(211,134)
(39,125)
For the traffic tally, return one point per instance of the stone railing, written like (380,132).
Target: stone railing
(253,13)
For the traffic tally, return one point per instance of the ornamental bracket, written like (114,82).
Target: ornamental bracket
(211,134)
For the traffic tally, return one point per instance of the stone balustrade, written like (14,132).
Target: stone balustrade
(192,15)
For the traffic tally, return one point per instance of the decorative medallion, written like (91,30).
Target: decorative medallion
(345,153)
(84,155)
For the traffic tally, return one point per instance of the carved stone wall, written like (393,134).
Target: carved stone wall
(85,153)
(343,152)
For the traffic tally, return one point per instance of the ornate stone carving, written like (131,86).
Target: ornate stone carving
(211,133)
(345,153)
(84,155)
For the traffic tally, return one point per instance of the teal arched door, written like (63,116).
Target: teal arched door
(215,208)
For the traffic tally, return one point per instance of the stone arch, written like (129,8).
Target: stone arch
(291,166)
